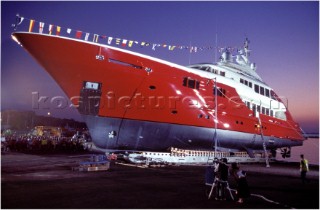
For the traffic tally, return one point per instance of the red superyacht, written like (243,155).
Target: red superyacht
(132,101)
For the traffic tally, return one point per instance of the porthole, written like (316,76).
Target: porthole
(152,87)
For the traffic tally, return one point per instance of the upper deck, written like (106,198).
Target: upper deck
(242,75)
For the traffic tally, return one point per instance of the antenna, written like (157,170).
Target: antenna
(216,49)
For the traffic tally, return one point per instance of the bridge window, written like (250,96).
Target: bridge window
(204,68)
(262,90)
(256,88)
(254,108)
(267,111)
(258,108)
(185,80)
(191,83)
(245,82)
(248,104)
(263,110)
(267,92)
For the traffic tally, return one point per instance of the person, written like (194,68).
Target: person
(223,173)
(243,190)
(304,168)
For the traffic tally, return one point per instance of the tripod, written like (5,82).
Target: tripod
(216,182)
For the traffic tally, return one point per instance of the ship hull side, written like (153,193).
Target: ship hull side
(126,134)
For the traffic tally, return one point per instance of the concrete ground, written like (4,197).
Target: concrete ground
(47,181)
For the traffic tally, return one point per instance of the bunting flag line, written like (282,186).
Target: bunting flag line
(95,38)
(41,25)
(78,34)
(154,46)
(124,43)
(109,40)
(58,30)
(50,29)
(31,25)
(86,37)
(171,47)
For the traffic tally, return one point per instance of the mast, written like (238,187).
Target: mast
(215,116)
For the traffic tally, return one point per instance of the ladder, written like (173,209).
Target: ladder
(263,143)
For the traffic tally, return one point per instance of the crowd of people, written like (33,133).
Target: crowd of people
(29,143)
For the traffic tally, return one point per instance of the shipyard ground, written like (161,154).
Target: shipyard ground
(47,181)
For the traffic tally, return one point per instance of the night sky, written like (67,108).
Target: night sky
(284,39)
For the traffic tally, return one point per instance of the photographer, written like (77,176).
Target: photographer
(243,190)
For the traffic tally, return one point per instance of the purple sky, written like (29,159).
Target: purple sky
(284,41)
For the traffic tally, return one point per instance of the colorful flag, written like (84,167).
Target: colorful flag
(31,25)
(69,30)
(191,49)
(130,43)
(118,41)
(78,34)
(50,29)
(154,46)
(171,47)
(41,25)
(58,30)
(109,40)
(95,38)
(124,42)
(86,36)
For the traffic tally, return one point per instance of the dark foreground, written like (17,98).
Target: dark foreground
(47,181)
